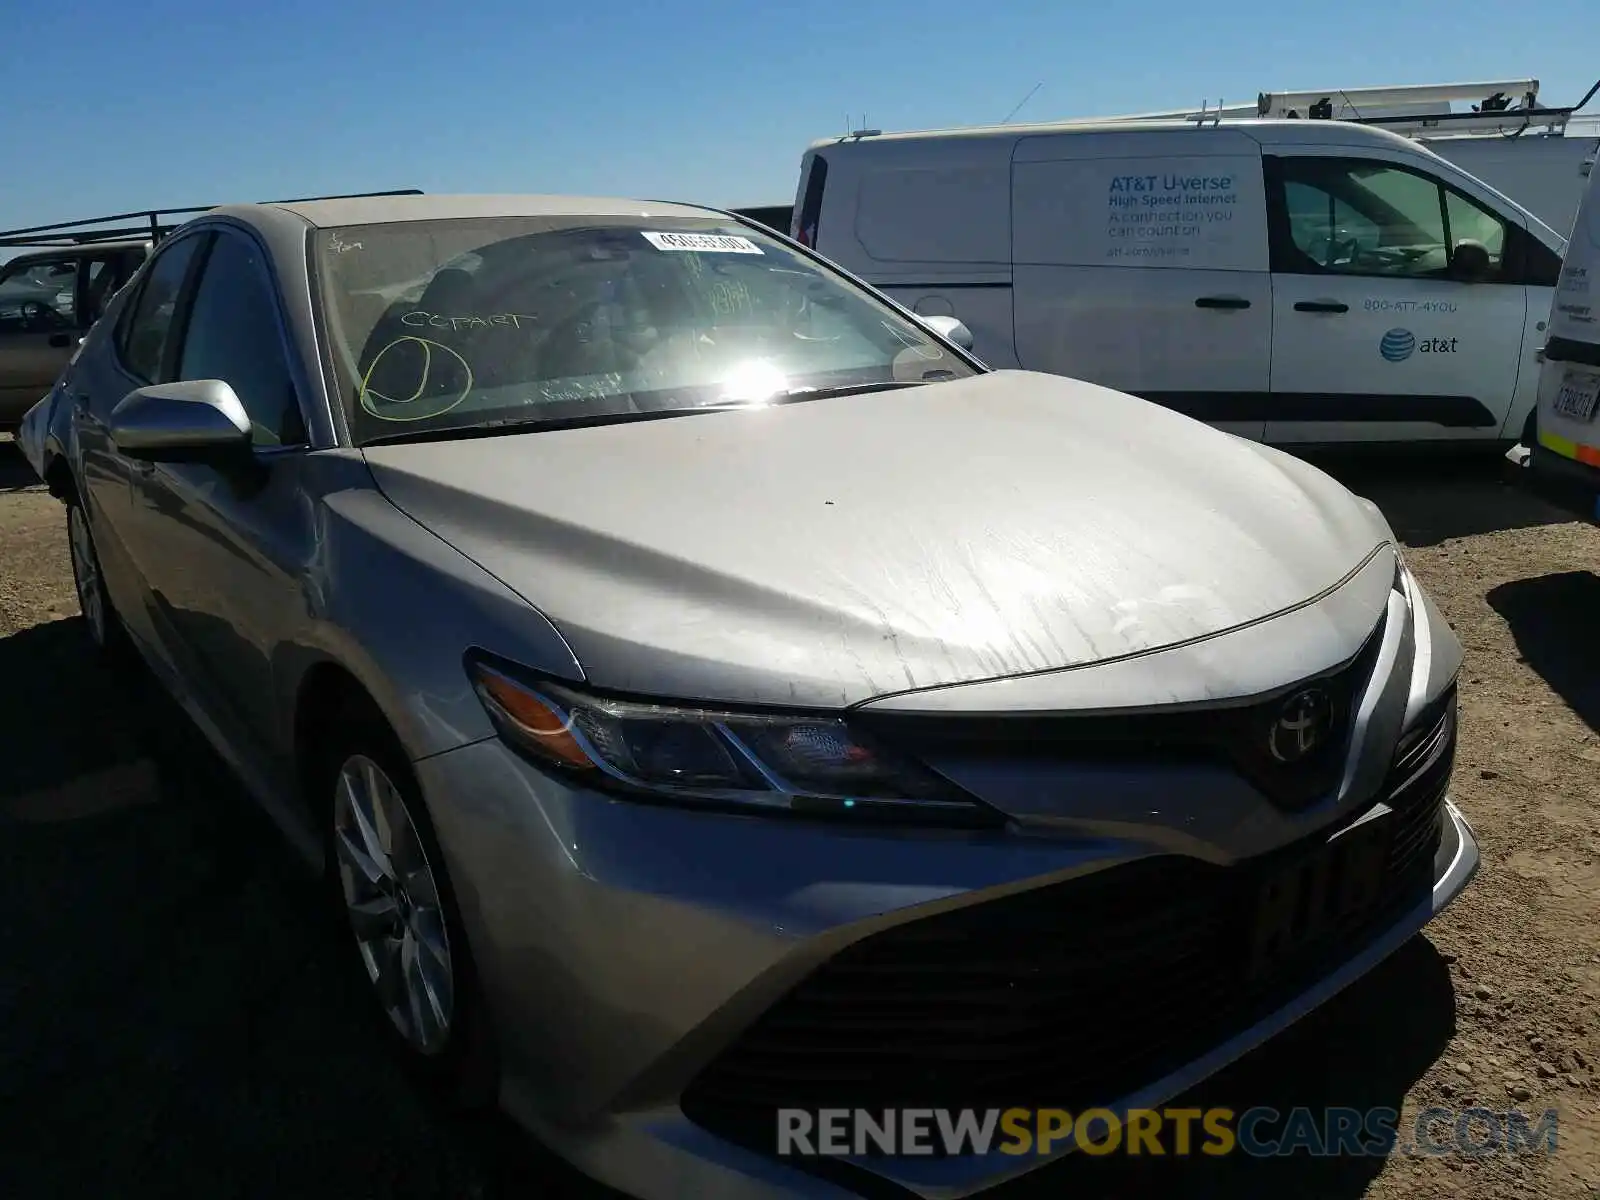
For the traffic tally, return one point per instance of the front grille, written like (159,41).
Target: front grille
(1236,735)
(1067,996)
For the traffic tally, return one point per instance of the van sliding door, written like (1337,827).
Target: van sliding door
(1140,263)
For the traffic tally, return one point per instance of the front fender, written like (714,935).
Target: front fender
(398,608)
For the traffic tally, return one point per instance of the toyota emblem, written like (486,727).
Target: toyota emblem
(1302,727)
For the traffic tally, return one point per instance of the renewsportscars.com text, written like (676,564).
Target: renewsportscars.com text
(1214,1132)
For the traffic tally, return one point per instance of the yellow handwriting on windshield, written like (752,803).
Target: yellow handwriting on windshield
(420,319)
(432,377)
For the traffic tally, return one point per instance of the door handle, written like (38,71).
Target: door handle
(1222,302)
(1321,306)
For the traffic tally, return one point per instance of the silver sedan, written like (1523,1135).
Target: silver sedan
(709,691)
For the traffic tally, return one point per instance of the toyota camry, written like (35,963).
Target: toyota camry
(708,691)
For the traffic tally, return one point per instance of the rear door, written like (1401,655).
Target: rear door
(1382,329)
(140,351)
(1140,263)
(1569,384)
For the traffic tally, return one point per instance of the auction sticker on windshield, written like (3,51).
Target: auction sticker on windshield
(1579,392)
(705,243)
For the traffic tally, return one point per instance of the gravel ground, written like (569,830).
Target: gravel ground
(171,1021)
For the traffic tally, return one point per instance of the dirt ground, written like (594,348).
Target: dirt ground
(171,1024)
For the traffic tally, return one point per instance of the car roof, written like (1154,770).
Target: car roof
(383,210)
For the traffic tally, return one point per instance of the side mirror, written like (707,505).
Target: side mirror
(199,420)
(951,329)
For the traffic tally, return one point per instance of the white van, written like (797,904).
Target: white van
(1291,281)
(1567,442)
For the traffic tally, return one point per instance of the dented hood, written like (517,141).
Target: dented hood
(826,552)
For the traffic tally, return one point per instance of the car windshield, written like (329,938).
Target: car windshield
(447,325)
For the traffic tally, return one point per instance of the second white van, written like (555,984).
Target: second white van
(1567,442)
(1296,282)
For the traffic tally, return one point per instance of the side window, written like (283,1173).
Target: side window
(145,337)
(233,336)
(806,217)
(1323,226)
(39,296)
(1361,217)
(1469,223)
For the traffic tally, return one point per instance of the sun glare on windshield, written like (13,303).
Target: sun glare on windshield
(521,321)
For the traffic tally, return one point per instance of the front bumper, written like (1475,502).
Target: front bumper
(624,947)
(1562,460)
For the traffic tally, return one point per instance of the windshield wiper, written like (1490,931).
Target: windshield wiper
(844,389)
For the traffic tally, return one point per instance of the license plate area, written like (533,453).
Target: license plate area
(1308,901)
(1580,390)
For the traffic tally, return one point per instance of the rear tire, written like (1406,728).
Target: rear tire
(386,880)
(107,637)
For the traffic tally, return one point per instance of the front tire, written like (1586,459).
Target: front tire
(386,876)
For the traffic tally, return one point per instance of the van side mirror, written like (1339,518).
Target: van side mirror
(950,329)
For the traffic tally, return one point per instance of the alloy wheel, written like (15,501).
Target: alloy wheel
(392,896)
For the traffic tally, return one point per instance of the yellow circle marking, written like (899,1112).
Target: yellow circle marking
(367,395)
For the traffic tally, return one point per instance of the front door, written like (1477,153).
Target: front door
(46,305)
(1398,303)
(218,547)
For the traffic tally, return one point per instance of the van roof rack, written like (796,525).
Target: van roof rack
(1506,108)
(151,226)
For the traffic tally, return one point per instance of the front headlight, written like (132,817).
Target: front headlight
(809,765)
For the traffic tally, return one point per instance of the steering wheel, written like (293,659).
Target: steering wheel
(566,346)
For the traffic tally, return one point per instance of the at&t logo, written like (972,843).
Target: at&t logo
(1398,345)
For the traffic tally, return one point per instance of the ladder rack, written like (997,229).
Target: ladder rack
(151,226)
(1506,108)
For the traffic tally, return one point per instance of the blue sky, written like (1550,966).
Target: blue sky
(112,108)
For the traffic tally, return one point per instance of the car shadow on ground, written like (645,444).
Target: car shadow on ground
(15,472)
(1429,499)
(176,1013)
(1552,618)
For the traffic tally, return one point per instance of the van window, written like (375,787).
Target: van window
(810,211)
(1361,217)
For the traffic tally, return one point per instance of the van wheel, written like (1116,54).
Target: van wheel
(386,879)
